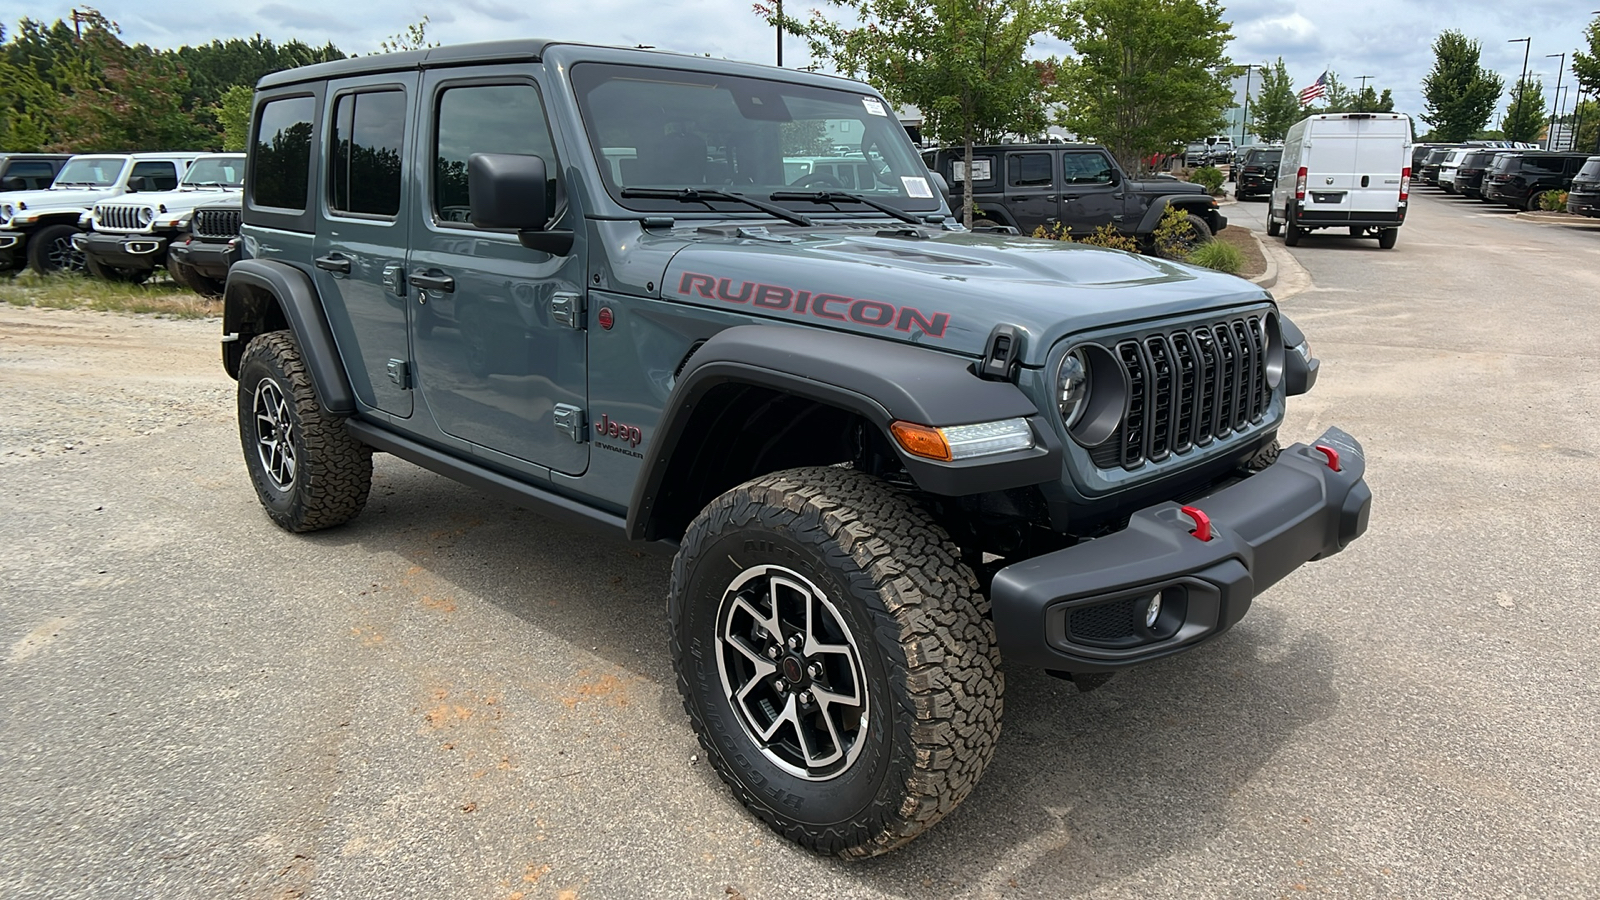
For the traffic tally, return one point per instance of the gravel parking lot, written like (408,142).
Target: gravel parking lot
(451,697)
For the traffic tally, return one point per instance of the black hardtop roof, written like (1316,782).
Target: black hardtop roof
(530,50)
(6,154)
(986,148)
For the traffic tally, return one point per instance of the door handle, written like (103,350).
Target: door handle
(438,281)
(333,262)
(1050,198)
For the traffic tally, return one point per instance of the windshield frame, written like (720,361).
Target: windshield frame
(588,75)
(67,183)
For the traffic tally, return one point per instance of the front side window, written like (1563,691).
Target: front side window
(281,171)
(154,176)
(672,129)
(492,118)
(91,171)
(1029,170)
(364,153)
(1085,168)
(35,174)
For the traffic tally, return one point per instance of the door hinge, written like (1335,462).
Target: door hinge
(567,309)
(569,421)
(400,373)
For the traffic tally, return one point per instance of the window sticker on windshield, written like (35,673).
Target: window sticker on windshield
(916,186)
(873,106)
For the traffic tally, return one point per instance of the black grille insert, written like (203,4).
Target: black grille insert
(216,223)
(1107,623)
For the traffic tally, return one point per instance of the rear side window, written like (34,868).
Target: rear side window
(1541,165)
(282,166)
(491,118)
(1029,170)
(154,176)
(364,156)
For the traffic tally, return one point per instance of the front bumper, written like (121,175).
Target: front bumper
(133,251)
(1583,203)
(11,250)
(1082,609)
(209,258)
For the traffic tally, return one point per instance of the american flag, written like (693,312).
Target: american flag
(1317,89)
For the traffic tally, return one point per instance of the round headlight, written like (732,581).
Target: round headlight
(1072,387)
(6,212)
(146,215)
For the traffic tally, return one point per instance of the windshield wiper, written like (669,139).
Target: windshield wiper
(698,195)
(837,197)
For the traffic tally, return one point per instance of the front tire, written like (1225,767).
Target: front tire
(835,657)
(189,277)
(97,269)
(1273,228)
(308,472)
(50,250)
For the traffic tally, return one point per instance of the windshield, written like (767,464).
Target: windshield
(221,171)
(1267,157)
(90,171)
(670,129)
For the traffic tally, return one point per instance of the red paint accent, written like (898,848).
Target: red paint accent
(1331,454)
(1202,523)
(776,297)
(607,319)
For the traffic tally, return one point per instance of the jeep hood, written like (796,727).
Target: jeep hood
(174,201)
(81,198)
(943,289)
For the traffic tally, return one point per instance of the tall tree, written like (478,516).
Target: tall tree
(415,37)
(1148,73)
(961,62)
(1278,106)
(1586,67)
(1524,117)
(233,114)
(1369,100)
(1459,94)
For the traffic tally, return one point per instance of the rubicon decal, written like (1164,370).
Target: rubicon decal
(822,306)
(607,427)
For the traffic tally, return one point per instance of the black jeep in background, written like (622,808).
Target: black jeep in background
(1026,186)
(1518,179)
(1256,172)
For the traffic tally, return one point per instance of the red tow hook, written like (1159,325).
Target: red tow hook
(1331,454)
(1202,522)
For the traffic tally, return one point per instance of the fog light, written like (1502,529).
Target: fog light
(1153,611)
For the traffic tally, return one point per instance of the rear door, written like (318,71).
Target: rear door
(1354,164)
(1031,187)
(361,235)
(499,329)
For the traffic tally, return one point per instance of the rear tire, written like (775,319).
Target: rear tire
(1387,238)
(50,250)
(308,472)
(1292,234)
(832,584)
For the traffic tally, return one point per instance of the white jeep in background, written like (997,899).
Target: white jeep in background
(37,227)
(130,234)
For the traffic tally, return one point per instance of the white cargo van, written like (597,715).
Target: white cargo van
(1343,170)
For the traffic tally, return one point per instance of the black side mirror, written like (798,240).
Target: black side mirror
(508,190)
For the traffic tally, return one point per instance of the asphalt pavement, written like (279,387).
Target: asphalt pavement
(454,698)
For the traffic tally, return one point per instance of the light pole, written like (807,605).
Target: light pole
(780,34)
(1522,83)
(1549,143)
(1361,92)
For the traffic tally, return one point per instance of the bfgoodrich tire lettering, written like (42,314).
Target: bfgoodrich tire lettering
(899,596)
(307,470)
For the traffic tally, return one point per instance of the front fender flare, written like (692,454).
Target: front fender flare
(881,381)
(297,299)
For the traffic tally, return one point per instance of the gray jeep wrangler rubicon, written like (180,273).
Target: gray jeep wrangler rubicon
(890,453)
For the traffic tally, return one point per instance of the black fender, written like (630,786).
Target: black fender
(246,313)
(1199,204)
(880,381)
(994,212)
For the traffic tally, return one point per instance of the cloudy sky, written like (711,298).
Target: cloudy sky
(1389,40)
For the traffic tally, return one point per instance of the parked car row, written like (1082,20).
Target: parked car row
(1515,177)
(121,216)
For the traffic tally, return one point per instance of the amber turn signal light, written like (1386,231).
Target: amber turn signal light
(920,440)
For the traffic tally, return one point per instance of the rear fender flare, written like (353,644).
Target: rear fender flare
(879,381)
(254,287)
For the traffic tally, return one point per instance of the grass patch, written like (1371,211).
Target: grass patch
(159,296)
(1218,255)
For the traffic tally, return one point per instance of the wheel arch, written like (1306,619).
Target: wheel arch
(1198,204)
(264,296)
(756,399)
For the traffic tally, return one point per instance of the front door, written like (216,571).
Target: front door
(1031,188)
(361,234)
(1090,193)
(498,329)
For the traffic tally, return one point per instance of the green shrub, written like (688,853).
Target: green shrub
(1175,236)
(1218,255)
(1104,236)
(1553,201)
(1210,177)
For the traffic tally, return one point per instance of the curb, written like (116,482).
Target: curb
(1565,220)
(1284,272)
(1268,278)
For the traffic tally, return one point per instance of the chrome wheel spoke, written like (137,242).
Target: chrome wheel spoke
(274,446)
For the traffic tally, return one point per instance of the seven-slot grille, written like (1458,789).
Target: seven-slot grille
(1187,387)
(216,223)
(119,217)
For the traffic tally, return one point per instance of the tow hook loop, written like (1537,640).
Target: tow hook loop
(1202,523)
(1331,454)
